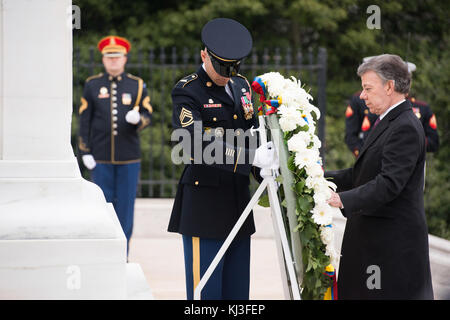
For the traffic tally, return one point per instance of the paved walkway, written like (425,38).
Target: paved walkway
(160,254)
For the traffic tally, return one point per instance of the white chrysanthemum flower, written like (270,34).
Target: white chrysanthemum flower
(312,182)
(290,99)
(331,185)
(320,198)
(310,108)
(316,142)
(306,158)
(322,188)
(299,141)
(326,234)
(321,215)
(287,124)
(314,170)
(275,83)
(290,118)
(296,144)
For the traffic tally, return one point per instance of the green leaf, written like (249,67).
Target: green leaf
(298,188)
(279,179)
(304,204)
(291,163)
(264,201)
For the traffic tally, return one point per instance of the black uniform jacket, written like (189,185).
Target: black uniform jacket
(211,196)
(104,132)
(383,202)
(359,121)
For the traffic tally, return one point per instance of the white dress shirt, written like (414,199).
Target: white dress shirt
(389,109)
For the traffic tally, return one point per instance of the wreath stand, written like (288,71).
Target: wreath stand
(288,276)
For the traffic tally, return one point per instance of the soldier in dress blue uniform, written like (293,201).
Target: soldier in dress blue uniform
(115,107)
(359,121)
(211,196)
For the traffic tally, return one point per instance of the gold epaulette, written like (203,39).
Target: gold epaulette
(133,77)
(94,77)
(140,88)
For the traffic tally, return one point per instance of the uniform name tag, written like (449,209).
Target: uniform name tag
(212,105)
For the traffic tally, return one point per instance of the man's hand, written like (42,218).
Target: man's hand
(133,116)
(335,200)
(89,161)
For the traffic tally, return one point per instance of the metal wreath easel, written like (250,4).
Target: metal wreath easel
(290,285)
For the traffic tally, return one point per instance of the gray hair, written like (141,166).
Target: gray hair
(389,67)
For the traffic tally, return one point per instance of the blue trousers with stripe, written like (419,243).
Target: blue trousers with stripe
(231,278)
(119,185)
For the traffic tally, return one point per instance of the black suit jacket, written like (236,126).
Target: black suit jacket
(383,202)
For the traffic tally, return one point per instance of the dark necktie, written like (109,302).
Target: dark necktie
(376,122)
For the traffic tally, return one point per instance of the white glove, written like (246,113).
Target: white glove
(89,161)
(266,157)
(133,116)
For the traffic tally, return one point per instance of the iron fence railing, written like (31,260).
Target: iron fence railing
(162,68)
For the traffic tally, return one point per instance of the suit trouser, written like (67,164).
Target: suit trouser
(231,278)
(119,185)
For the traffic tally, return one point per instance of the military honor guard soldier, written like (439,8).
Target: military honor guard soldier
(211,197)
(115,107)
(359,121)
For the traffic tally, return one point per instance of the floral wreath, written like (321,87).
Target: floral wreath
(286,100)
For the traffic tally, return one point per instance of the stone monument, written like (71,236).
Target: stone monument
(59,239)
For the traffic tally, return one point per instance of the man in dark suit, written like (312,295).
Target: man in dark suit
(385,251)
(214,187)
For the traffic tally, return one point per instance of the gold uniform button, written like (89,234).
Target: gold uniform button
(209,84)
(235,117)
(214,119)
(196,183)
